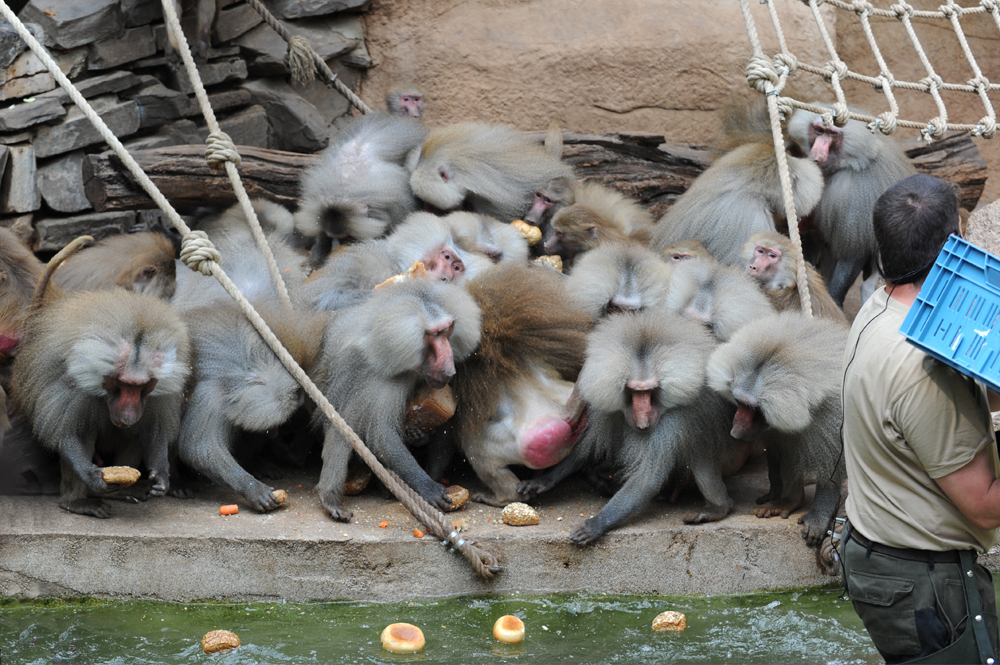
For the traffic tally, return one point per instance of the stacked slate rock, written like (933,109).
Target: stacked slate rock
(113,52)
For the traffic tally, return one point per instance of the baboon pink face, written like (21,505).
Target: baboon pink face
(764,262)
(641,413)
(539,208)
(444,264)
(126,397)
(748,422)
(411,105)
(823,141)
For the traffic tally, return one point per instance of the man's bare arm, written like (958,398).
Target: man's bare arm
(975,490)
(994,399)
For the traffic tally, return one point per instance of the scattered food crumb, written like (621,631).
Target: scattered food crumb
(383,524)
(417,533)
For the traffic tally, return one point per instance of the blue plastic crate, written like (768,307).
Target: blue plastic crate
(956,316)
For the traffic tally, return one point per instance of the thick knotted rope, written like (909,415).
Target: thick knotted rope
(198,253)
(219,150)
(301,50)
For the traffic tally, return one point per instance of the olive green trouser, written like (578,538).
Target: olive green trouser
(912,608)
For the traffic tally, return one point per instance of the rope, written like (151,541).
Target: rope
(299,51)
(199,254)
(220,150)
(767,79)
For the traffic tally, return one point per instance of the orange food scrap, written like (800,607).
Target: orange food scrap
(417,533)
(383,524)
(229,510)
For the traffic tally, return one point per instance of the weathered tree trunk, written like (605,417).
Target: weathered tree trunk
(642,166)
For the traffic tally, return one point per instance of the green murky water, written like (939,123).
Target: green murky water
(810,625)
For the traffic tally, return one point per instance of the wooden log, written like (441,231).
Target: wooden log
(185,178)
(643,166)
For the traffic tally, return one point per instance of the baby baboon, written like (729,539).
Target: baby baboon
(784,373)
(685,250)
(405,100)
(650,414)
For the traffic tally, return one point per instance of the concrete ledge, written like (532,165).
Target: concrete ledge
(170,549)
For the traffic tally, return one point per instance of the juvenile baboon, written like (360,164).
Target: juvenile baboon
(577,229)
(857,166)
(405,100)
(359,187)
(684,250)
(103,372)
(721,297)
(373,357)
(490,169)
(618,277)
(140,262)
(239,386)
(783,372)
(771,259)
(650,414)
(513,391)
(738,195)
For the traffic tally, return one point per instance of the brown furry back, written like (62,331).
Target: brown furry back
(527,321)
(20,272)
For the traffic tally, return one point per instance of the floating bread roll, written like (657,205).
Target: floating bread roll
(553,261)
(674,621)
(519,514)
(123,476)
(281,496)
(458,495)
(532,234)
(402,638)
(509,629)
(219,640)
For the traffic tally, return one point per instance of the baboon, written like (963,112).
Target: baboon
(857,167)
(721,297)
(405,100)
(771,259)
(360,187)
(513,391)
(140,262)
(373,357)
(684,250)
(103,372)
(784,374)
(618,277)
(20,272)
(650,414)
(490,169)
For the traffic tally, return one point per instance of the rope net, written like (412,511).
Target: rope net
(770,73)
(199,254)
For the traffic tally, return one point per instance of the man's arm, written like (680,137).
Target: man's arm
(975,490)
(994,399)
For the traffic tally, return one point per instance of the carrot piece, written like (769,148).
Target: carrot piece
(383,524)
(417,533)
(229,510)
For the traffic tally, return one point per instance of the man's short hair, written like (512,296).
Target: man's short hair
(912,221)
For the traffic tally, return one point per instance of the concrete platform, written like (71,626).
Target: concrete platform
(183,550)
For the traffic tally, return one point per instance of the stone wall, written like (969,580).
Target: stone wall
(660,66)
(113,51)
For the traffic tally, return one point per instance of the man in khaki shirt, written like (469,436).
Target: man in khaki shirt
(922,464)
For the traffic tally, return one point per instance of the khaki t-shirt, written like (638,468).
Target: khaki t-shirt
(908,418)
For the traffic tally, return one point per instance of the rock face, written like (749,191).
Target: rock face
(61,183)
(76,131)
(18,192)
(69,23)
(295,122)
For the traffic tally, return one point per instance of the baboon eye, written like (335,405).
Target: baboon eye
(148,272)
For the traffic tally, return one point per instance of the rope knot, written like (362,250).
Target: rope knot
(950,11)
(989,5)
(841,114)
(932,83)
(219,149)
(902,10)
(884,123)
(198,253)
(760,72)
(934,130)
(862,8)
(987,128)
(885,79)
(300,61)
(785,108)
(786,60)
(838,68)
(980,83)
